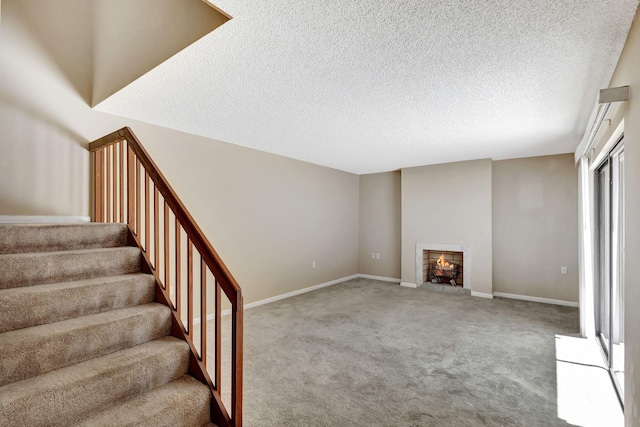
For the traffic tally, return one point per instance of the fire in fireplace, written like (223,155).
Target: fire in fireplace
(443,267)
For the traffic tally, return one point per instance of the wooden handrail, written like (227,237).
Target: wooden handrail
(134,173)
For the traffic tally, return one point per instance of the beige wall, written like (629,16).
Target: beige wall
(380,224)
(628,73)
(451,204)
(269,217)
(535,227)
(43,163)
(44,168)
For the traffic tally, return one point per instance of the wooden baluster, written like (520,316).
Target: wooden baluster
(122,146)
(178,272)
(190,286)
(156,228)
(203,312)
(137,230)
(218,336)
(93,161)
(167,269)
(114,184)
(97,177)
(108,182)
(131,188)
(102,187)
(114,180)
(147,214)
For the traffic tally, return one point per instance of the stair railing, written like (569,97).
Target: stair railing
(129,187)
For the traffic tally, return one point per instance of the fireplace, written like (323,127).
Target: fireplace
(444,267)
(457,254)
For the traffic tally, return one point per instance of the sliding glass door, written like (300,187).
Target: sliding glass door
(610,263)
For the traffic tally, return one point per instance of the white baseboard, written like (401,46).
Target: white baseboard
(536,299)
(42,219)
(287,295)
(381,278)
(298,292)
(304,291)
(481,295)
(386,279)
(408,285)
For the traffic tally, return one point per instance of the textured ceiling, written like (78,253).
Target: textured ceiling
(377,85)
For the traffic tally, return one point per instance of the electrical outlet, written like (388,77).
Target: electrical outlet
(563,270)
(373,255)
(313,264)
(377,256)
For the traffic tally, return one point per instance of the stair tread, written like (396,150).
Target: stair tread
(28,352)
(69,251)
(16,238)
(182,402)
(68,394)
(36,268)
(71,284)
(40,304)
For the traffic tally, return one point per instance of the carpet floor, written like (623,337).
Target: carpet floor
(369,353)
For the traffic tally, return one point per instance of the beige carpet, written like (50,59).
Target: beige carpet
(369,353)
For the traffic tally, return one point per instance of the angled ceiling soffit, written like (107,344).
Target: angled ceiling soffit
(130,38)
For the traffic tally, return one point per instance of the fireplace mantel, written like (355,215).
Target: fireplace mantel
(466,253)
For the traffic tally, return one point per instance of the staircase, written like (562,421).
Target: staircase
(82,342)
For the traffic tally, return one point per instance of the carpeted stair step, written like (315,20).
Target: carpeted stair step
(37,305)
(20,238)
(181,403)
(36,268)
(25,353)
(68,395)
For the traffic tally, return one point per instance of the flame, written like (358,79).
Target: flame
(443,263)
